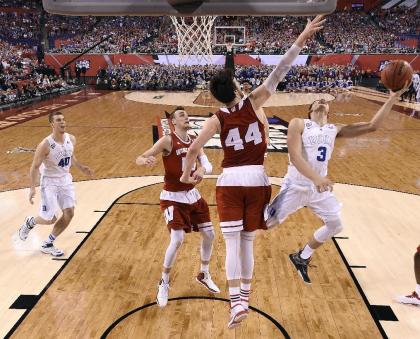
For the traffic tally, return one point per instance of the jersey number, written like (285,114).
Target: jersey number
(252,134)
(64,162)
(323,153)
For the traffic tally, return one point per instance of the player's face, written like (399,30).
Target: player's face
(181,119)
(321,107)
(59,123)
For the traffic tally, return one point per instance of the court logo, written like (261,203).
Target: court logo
(278,132)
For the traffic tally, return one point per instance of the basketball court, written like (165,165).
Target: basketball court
(105,285)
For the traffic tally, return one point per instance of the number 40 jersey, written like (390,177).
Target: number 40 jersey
(58,162)
(317,148)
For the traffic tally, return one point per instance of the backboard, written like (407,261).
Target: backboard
(189,7)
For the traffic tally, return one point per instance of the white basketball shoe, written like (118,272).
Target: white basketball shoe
(163,292)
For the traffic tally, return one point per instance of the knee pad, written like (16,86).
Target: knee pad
(207,235)
(332,227)
(177,237)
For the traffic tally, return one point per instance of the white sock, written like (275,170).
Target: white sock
(307,252)
(235,296)
(245,290)
(204,268)
(418,289)
(165,277)
(50,239)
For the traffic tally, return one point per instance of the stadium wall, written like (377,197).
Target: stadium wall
(370,62)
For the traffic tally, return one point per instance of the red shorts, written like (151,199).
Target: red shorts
(242,208)
(187,217)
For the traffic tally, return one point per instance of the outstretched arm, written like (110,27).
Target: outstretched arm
(210,128)
(360,128)
(261,94)
(163,145)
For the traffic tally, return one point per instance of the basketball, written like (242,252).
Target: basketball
(396,74)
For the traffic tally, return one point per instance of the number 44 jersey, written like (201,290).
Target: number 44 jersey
(58,162)
(242,135)
(317,148)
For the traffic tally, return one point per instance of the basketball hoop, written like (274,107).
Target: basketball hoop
(194,38)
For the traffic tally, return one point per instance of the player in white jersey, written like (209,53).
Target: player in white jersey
(53,158)
(311,143)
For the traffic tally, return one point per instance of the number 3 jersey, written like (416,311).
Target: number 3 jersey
(317,148)
(242,135)
(58,162)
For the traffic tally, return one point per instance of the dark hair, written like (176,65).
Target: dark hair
(222,86)
(52,115)
(170,115)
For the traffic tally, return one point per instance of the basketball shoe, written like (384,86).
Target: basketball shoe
(163,292)
(301,266)
(48,248)
(26,228)
(204,279)
(412,299)
(237,314)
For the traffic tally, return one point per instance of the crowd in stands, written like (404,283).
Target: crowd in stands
(23,78)
(345,32)
(314,78)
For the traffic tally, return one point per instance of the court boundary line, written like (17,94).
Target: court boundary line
(48,285)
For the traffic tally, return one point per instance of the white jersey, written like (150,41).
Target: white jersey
(58,162)
(317,148)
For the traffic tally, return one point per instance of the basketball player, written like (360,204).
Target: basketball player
(182,206)
(310,143)
(53,158)
(243,189)
(414,298)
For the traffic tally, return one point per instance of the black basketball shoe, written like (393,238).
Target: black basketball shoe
(301,266)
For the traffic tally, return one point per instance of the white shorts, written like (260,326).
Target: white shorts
(293,197)
(55,197)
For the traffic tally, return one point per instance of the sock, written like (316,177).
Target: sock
(235,296)
(204,268)
(418,289)
(30,223)
(306,252)
(245,290)
(165,277)
(50,239)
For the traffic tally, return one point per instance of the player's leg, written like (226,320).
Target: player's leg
(326,206)
(230,210)
(177,221)
(247,266)
(289,200)
(200,219)
(47,210)
(413,298)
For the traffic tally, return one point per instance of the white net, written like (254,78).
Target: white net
(194,39)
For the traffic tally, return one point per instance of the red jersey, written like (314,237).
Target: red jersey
(174,164)
(242,135)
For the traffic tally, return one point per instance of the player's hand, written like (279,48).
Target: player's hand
(397,94)
(323,184)
(146,161)
(313,26)
(186,179)
(199,174)
(31,195)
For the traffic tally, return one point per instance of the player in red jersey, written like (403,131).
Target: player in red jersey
(243,189)
(182,206)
